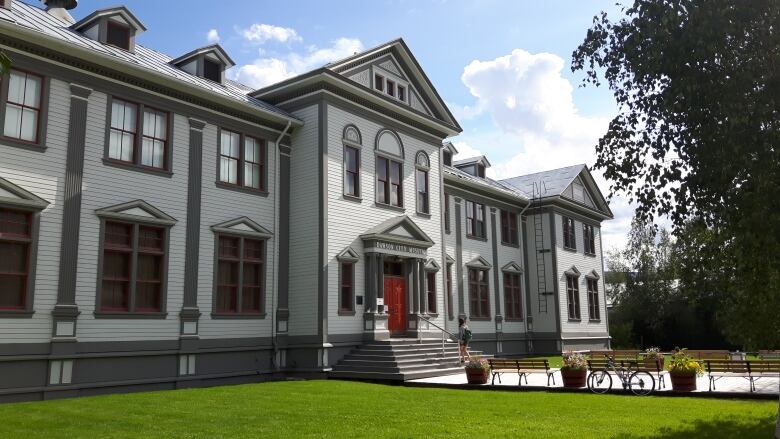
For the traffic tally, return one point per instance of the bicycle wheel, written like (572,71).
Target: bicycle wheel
(599,381)
(641,383)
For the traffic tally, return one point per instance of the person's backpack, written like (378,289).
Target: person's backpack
(467,335)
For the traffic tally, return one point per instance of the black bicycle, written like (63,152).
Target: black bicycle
(640,382)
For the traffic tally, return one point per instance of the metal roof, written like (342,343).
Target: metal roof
(470,160)
(37,19)
(553,182)
(486,182)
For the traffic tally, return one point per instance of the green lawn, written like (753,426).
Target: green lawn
(298,409)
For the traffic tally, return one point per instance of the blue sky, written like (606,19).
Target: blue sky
(503,67)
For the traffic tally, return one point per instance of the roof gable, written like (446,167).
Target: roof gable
(118,11)
(214,50)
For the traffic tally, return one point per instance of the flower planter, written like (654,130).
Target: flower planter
(683,382)
(573,378)
(477,375)
(650,363)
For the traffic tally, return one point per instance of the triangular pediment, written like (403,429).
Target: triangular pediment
(212,51)
(395,60)
(593,275)
(512,267)
(584,190)
(12,194)
(449,259)
(431,265)
(348,255)
(479,262)
(137,210)
(243,226)
(572,271)
(399,229)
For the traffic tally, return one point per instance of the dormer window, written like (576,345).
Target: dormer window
(208,62)
(379,82)
(401,93)
(475,166)
(118,35)
(447,158)
(480,171)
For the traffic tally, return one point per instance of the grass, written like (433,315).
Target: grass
(299,409)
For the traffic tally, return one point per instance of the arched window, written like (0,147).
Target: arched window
(422,166)
(389,169)
(352,141)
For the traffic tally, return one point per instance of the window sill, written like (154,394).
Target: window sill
(476,238)
(237,188)
(353,198)
(432,315)
(16,143)
(137,168)
(575,320)
(346,312)
(423,214)
(16,313)
(592,255)
(389,207)
(594,320)
(234,316)
(480,319)
(509,244)
(513,319)
(570,249)
(129,315)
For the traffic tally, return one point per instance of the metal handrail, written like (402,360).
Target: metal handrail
(443,331)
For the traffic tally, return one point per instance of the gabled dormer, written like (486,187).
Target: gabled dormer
(475,166)
(209,62)
(115,26)
(448,151)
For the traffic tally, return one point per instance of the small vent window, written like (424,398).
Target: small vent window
(212,70)
(118,35)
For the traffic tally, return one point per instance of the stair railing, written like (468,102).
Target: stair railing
(443,332)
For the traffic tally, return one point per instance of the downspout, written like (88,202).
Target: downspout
(274,296)
(525,269)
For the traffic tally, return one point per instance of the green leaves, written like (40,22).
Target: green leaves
(5,63)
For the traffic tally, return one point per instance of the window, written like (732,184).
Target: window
(401,93)
(240,275)
(422,191)
(123,135)
(480,171)
(573,296)
(347,296)
(212,70)
(447,158)
(388,182)
(589,238)
(512,296)
(475,220)
(594,312)
(450,305)
(390,88)
(569,237)
(351,171)
(379,82)
(446,213)
(133,267)
(15,249)
(23,106)
(241,160)
(118,35)
(509,233)
(478,293)
(430,289)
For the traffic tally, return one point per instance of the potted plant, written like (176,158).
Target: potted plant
(477,370)
(684,369)
(654,358)
(574,370)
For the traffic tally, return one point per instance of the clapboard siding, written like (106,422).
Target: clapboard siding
(348,219)
(542,321)
(43,175)
(507,254)
(219,205)
(304,217)
(472,249)
(105,186)
(585,264)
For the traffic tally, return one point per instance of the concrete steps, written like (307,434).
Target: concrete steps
(400,360)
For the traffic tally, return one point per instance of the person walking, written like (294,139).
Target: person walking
(464,336)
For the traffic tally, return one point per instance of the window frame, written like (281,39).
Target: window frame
(513,294)
(472,215)
(33,218)
(424,169)
(588,239)
(242,237)
(509,221)
(132,312)
(379,82)
(448,289)
(219,66)
(430,292)
(569,233)
(43,113)
(358,185)
(264,168)
(350,311)
(573,298)
(136,163)
(594,311)
(113,23)
(447,213)
(478,312)
(388,188)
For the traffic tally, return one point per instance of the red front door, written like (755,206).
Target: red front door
(395,300)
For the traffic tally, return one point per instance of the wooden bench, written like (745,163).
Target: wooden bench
(522,367)
(769,355)
(717,369)
(624,354)
(653,366)
(762,369)
(705,354)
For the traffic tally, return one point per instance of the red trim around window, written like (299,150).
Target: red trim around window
(15,244)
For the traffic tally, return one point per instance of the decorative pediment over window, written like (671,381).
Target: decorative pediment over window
(593,275)
(242,226)
(115,26)
(449,259)
(388,142)
(422,160)
(512,267)
(401,230)
(208,62)
(352,135)
(431,265)
(348,255)
(11,194)
(139,211)
(573,271)
(479,262)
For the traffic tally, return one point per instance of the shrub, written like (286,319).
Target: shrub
(574,361)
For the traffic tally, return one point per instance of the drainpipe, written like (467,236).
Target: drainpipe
(525,269)
(275,294)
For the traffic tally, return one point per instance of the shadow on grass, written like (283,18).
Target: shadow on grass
(716,429)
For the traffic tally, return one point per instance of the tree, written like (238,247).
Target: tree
(696,137)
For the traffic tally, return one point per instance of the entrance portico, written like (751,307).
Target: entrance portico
(396,252)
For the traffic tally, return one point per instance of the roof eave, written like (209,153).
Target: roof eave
(458,181)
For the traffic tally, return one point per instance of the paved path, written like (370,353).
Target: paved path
(764,386)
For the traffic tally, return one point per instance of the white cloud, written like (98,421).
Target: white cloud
(212,36)
(259,33)
(266,71)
